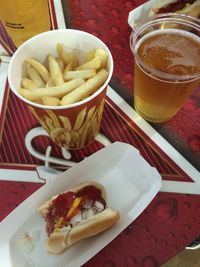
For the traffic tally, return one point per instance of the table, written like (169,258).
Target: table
(171,221)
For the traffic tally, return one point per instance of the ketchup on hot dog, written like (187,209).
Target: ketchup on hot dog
(62,204)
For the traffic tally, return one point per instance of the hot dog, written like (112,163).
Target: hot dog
(76,214)
(187,7)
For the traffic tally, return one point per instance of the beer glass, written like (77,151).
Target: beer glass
(24,19)
(166,51)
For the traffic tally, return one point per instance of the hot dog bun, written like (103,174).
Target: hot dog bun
(164,6)
(63,237)
(192,10)
(61,240)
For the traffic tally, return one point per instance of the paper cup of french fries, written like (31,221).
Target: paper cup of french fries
(63,75)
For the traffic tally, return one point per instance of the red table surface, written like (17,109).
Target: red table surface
(170,222)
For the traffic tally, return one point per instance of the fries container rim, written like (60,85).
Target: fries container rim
(28,44)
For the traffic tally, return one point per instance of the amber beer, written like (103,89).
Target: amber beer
(166,70)
(23,19)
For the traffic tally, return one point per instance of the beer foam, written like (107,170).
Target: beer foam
(181,69)
(184,33)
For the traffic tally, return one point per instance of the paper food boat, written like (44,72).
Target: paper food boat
(140,13)
(131,184)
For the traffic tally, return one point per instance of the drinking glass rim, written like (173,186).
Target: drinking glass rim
(170,18)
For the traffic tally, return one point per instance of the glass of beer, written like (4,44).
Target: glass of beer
(166,51)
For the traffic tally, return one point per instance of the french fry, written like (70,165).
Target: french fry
(62,53)
(65,82)
(49,83)
(55,71)
(56,91)
(67,68)
(50,101)
(103,55)
(73,59)
(35,77)
(90,55)
(92,64)
(28,84)
(60,63)
(85,89)
(40,68)
(85,74)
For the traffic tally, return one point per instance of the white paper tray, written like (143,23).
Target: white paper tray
(131,185)
(140,13)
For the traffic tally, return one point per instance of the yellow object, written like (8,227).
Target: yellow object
(74,206)
(59,222)
(24,18)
